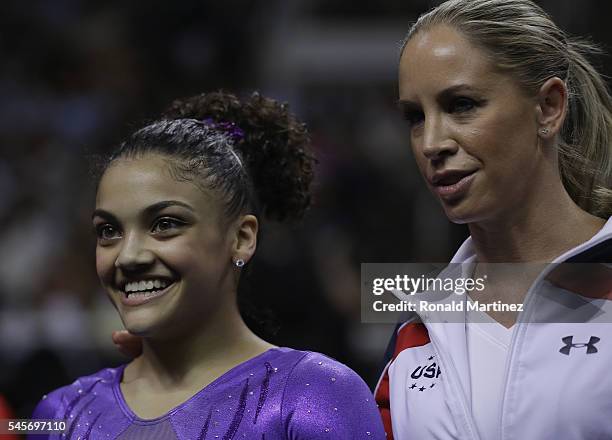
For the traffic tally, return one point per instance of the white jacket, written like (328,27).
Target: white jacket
(558,382)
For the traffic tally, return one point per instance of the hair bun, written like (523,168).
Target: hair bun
(274,147)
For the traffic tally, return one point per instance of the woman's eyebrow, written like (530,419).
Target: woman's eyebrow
(165,204)
(104,214)
(149,210)
(405,106)
(459,88)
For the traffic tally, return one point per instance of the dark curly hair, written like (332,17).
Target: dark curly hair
(268,169)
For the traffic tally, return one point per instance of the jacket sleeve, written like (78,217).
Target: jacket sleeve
(406,335)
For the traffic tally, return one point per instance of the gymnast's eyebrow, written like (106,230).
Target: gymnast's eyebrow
(104,214)
(165,204)
(147,211)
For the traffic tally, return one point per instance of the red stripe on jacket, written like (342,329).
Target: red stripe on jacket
(407,336)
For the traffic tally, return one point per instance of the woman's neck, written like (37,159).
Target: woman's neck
(537,234)
(196,358)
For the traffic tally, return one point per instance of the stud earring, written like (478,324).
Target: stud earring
(239,262)
(545,131)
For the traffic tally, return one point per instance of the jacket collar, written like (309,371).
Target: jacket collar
(597,248)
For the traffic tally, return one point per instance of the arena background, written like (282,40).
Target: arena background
(76,76)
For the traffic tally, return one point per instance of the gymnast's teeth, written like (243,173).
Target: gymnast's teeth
(146,294)
(144,286)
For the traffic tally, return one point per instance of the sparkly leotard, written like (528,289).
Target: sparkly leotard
(280,394)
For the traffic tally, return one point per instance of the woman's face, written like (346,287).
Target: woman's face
(473,130)
(162,253)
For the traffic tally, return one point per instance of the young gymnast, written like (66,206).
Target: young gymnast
(177,215)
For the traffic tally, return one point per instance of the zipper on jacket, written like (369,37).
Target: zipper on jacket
(453,380)
(522,326)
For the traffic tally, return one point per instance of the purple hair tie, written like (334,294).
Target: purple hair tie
(229,128)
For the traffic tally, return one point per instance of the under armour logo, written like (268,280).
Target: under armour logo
(568,341)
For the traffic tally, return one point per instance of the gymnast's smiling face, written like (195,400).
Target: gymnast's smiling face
(473,129)
(163,253)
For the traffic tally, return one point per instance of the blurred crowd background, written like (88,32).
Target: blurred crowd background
(76,76)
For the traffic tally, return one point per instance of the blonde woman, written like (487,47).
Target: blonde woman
(511,128)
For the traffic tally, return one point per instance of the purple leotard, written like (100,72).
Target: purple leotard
(280,394)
